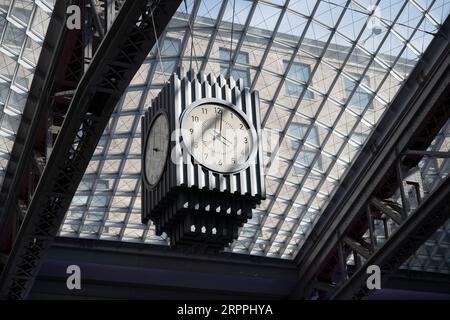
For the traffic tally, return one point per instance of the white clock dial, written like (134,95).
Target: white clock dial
(156,149)
(218,137)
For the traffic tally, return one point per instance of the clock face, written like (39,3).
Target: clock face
(156,149)
(218,137)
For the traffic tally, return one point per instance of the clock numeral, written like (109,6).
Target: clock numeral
(245,140)
(205,156)
(220,163)
(204,111)
(241,126)
(195,118)
(218,110)
(233,160)
(191,130)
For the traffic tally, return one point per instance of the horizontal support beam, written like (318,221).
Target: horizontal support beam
(411,280)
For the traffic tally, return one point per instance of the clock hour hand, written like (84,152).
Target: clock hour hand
(218,134)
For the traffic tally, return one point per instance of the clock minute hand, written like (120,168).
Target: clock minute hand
(218,134)
(221,121)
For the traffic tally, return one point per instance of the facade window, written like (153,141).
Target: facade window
(360,98)
(299,72)
(238,72)
(307,155)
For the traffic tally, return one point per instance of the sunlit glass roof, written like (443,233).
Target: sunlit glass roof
(23,25)
(326,72)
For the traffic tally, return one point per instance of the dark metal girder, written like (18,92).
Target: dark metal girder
(419,226)
(130,39)
(112,269)
(387,210)
(406,119)
(411,280)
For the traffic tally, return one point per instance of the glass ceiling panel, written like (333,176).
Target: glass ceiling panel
(326,72)
(23,24)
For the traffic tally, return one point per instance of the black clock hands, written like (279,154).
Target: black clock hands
(225,139)
(218,135)
(220,131)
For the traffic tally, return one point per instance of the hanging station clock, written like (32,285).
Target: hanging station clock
(201,185)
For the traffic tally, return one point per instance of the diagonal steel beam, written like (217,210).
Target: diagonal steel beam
(416,114)
(387,210)
(43,84)
(418,227)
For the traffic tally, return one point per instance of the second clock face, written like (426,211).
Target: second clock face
(156,149)
(218,137)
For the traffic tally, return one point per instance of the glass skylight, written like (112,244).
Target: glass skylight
(326,72)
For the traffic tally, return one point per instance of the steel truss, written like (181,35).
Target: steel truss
(432,213)
(118,57)
(347,226)
(16,188)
